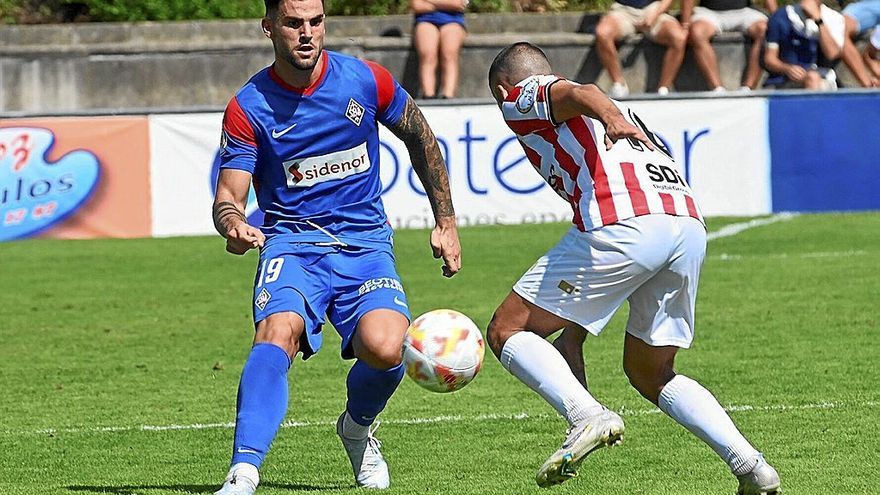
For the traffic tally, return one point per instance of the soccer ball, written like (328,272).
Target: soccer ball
(443,350)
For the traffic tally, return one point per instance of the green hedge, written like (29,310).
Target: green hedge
(44,11)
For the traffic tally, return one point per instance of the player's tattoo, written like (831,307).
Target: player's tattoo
(225,212)
(413,130)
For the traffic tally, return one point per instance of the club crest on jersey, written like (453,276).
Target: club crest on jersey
(306,172)
(354,112)
(527,95)
(262,299)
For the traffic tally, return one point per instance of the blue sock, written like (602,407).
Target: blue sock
(262,403)
(369,390)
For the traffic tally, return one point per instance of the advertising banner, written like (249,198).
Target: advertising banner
(74,178)
(154,176)
(826,152)
(719,145)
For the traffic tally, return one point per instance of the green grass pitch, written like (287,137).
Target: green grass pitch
(102,340)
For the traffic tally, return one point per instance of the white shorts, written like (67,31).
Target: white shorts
(737,20)
(653,261)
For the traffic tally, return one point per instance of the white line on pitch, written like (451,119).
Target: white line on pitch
(817,254)
(736,228)
(439,419)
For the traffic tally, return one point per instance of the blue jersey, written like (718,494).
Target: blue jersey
(797,44)
(314,152)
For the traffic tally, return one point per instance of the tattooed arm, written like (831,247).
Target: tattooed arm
(228,212)
(428,163)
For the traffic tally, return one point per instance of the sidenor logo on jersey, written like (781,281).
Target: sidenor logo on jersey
(306,172)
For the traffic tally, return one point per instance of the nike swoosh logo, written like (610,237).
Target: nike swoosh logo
(247,451)
(399,302)
(276,134)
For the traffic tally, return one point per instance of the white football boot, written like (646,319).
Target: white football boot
(595,432)
(242,479)
(370,469)
(761,480)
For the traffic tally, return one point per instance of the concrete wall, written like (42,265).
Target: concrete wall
(121,66)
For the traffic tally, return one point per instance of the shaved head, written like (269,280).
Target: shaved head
(515,63)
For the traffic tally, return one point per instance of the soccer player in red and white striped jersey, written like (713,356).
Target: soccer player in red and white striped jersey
(638,236)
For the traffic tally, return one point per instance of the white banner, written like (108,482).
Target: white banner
(183,149)
(722,148)
(720,145)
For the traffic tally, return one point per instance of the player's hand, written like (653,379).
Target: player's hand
(243,237)
(445,244)
(620,128)
(795,73)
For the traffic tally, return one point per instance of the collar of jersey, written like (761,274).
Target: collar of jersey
(308,90)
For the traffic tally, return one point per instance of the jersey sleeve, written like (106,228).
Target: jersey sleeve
(776,28)
(527,107)
(390,95)
(238,143)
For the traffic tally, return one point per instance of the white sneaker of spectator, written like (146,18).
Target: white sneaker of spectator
(619,90)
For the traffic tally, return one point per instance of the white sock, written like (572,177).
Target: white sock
(352,430)
(540,366)
(695,408)
(245,470)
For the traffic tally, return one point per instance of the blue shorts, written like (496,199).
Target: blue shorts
(441,18)
(343,283)
(865,12)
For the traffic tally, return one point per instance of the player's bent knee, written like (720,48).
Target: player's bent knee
(497,334)
(281,329)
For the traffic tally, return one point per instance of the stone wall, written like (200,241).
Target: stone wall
(128,67)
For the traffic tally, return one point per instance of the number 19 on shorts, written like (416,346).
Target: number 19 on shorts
(270,271)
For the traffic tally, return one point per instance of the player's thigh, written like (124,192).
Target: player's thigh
(586,277)
(662,308)
(291,294)
(516,314)
(378,339)
(366,280)
(426,38)
(452,37)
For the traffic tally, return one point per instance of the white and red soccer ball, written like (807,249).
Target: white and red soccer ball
(443,350)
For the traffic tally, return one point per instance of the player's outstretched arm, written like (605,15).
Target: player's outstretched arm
(569,100)
(228,212)
(413,130)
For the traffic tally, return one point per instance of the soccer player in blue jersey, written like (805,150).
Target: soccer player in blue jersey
(304,131)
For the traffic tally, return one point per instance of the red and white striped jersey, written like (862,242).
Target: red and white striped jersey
(602,186)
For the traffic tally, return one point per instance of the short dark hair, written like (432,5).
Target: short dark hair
(518,61)
(272,6)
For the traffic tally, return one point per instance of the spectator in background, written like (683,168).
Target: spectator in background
(625,18)
(859,17)
(872,53)
(799,37)
(712,17)
(438,35)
